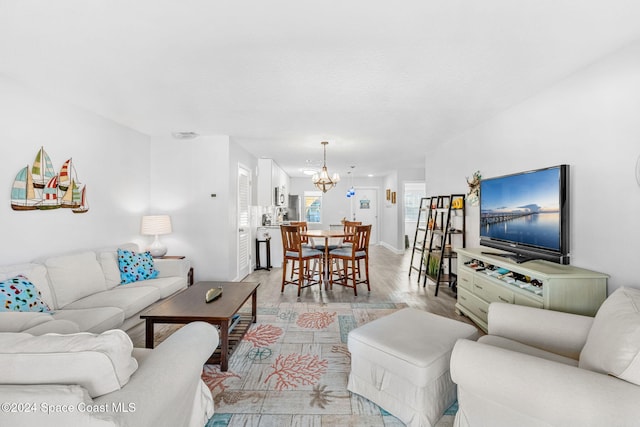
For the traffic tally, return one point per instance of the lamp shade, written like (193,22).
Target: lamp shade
(155,225)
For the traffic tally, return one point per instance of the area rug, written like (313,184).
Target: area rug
(292,367)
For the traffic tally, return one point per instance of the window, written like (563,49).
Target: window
(313,206)
(413,192)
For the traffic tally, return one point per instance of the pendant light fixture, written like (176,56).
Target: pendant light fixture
(321,180)
(351,191)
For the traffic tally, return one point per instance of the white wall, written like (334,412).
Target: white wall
(185,174)
(112,160)
(336,205)
(590,121)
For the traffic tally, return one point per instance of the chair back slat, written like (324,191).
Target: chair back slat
(290,238)
(350,230)
(361,243)
(302,228)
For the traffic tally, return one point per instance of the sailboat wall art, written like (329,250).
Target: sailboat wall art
(39,187)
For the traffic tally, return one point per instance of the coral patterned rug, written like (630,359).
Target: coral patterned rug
(291,368)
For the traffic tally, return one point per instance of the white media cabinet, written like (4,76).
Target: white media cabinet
(484,278)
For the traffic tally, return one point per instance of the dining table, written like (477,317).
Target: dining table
(326,235)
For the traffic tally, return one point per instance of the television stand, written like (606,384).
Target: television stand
(485,277)
(518,259)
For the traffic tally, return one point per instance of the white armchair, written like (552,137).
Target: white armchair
(544,368)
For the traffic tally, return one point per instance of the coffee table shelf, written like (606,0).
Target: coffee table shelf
(235,336)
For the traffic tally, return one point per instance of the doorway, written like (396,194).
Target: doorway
(364,206)
(244,224)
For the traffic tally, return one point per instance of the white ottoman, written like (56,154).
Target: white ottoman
(401,363)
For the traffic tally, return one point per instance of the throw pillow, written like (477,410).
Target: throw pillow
(135,266)
(19,294)
(613,343)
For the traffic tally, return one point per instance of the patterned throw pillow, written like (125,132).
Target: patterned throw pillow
(135,266)
(19,294)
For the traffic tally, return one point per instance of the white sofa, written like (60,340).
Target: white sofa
(93,380)
(544,368)
(84,292)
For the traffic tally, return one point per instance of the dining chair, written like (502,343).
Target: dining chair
(350,231)
(294,251)
(350,257)
(305,240)
(349,228)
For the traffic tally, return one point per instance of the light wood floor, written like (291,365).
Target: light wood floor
(390,282)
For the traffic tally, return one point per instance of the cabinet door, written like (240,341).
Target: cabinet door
(465,279)
(529,302)
(491,292)
(474,304)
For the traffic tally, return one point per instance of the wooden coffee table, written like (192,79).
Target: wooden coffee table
(190,306)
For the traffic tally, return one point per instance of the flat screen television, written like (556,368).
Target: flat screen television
(527,214)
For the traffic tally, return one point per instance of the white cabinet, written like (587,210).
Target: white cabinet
(485,278)
(273,184)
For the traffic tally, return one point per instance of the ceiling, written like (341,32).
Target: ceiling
(381,81)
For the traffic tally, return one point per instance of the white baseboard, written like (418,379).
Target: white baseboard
(391,248)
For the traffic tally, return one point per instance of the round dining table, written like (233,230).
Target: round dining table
(326,234)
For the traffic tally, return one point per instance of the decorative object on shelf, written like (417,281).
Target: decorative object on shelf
(388,194)
(155,225)
(393,197)
(39,187)
(351,191)
(473,197)
(321,180)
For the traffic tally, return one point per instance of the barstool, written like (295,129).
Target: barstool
(294,251)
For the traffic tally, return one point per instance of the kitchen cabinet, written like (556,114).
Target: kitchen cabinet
(273,184)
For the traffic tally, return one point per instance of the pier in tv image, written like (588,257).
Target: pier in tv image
(526,212)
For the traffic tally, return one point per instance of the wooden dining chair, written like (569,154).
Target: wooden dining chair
(350,257)
(305,240)
(294,251)
(349,228)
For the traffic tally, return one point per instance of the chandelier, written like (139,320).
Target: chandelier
(321,180)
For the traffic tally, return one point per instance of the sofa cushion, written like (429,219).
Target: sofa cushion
(109,263)
(95,320)
(18,321)
(100,363)
(75,276)
(108,259)
(130,300)
(135,266)
(19,294)
(56,326)
(36,273)
(613,344)
(166,285)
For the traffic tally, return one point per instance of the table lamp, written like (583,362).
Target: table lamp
(155,225)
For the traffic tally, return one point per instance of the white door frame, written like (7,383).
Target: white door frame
(243,224)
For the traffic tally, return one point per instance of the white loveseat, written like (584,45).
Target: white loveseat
(100,380)
(544,368)
(84,292)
